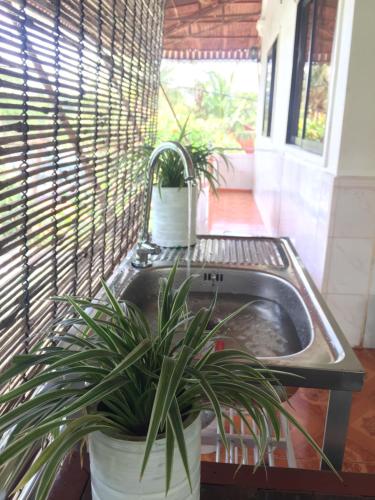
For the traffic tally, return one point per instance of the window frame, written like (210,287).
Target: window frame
(297,79)
(271,56)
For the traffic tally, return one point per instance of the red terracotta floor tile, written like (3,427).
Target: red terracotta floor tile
(235,212)
(309,407)
(232,212)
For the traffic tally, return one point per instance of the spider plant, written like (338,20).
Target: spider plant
(111,371)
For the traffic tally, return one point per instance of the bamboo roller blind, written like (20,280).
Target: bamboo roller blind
(78,95)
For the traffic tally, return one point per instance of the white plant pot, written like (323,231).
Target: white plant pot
(170,216)
(116,464)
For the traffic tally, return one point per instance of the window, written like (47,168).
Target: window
(315,30)
(78,96)
(269,90)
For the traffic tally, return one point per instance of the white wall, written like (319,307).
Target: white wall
(326,203)
(294,198)
(357,155)
(349,284)
(293,188)
(369,337)
(350,267)
(240,174)
(279,20)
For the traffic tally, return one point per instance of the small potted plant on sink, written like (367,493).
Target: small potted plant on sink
(136,393)
(170,201)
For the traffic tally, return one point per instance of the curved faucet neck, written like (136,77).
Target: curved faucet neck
(144,247)
(189,176)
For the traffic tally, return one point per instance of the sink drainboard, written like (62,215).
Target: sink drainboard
(234,251)
(242,446)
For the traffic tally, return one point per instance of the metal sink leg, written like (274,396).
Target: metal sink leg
(336,427)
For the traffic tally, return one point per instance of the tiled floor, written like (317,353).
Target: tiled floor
(309,406)
(235,213)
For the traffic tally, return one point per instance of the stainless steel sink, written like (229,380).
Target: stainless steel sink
(286,324)
(275,323)
(289,326)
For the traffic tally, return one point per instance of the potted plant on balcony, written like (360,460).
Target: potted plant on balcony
(170,201)
(136,393)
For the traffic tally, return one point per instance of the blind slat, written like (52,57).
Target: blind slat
(78,96)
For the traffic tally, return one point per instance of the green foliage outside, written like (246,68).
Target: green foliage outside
(170,171)
(218,114)
(316,117)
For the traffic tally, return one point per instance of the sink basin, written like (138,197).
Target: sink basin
(274,324)
(286,323)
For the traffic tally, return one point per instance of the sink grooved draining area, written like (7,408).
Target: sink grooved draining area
(236,251)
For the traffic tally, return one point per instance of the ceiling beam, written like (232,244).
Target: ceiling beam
(210,22)
(209,29)
(226,37)
(193,17)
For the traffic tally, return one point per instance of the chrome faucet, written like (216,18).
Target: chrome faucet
(144,246)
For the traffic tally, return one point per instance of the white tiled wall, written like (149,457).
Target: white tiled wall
(326,204)
(268,170)
(294,199)
(348,266)
(331,222)
(240,173)
(369,339)
(350,271)
(350,312)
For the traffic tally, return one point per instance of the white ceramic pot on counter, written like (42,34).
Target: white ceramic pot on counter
(115,466)
(170,217)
